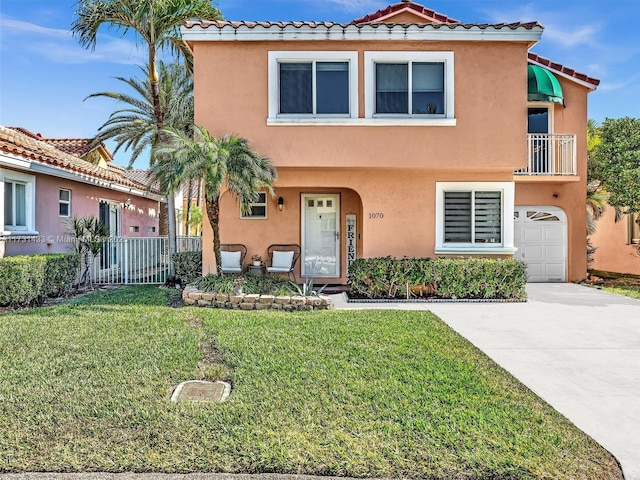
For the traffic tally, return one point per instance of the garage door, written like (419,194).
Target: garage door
(540,234)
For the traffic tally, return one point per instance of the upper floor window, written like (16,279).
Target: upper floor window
(414,85)
(64,202)
(314,88)
(18,212)
(313,85)
(415,88)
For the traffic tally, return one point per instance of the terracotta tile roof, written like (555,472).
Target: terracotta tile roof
(220,24)
(142,177)
(73,146)
(396,7)
(22,143)
(562,69)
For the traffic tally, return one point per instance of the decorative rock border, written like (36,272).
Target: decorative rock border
(192,296)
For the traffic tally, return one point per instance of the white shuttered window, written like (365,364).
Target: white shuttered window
(474,217)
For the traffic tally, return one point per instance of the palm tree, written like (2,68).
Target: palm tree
(157,23)
(134,126)
(228,163)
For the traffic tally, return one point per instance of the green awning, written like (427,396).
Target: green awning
(543,86)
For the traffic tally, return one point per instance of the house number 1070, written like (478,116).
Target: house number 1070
(376,215)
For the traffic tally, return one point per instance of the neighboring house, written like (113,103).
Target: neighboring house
(403,133)
(618,243)
(189,202)
(45,182)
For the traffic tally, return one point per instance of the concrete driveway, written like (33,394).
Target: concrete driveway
(576,347)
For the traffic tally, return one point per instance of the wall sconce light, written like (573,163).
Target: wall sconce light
(280,203)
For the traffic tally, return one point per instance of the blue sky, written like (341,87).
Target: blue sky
(45,75)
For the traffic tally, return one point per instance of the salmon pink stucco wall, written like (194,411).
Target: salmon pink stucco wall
(85,199)
(490,108)
(614,252)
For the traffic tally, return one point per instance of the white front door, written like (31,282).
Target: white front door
(540,234)
(320,235)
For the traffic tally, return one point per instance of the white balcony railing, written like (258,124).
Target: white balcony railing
(550,154)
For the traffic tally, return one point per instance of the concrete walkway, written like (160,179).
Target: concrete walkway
(576,347)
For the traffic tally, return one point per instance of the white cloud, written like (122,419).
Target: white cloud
(17,27)
(582,35)
(559,25)
(58,45)
(608,86)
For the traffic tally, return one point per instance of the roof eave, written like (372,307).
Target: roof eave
(336,32)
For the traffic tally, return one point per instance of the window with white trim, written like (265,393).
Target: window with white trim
(257,209)
(18,198)
(313,85)
(409,85)
(474,216)
(64,202)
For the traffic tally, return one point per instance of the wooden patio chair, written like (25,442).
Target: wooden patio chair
(232,257)
(283,258)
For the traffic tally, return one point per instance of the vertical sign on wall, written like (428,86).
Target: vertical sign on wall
(350,239)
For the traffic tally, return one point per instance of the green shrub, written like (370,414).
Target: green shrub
(61,273)
(469,278)
(27,280)
(187,266)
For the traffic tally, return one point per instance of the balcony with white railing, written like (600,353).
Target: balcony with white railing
(550,155)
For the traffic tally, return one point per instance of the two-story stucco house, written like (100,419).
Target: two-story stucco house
(403,133)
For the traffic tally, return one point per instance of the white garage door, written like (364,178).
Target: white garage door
(540,235)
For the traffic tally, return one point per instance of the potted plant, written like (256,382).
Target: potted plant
(257,260)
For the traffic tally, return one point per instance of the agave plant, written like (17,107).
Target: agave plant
(306,289)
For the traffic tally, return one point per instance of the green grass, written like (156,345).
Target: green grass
(85,386)
(632,291)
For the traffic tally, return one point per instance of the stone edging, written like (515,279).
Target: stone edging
(192,296)
(432,300)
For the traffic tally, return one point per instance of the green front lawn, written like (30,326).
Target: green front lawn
(86,386)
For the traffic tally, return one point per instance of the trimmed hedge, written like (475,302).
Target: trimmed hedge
(461,278)
(28,280)
(61,272)
(187,266)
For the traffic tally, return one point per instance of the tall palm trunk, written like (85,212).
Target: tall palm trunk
(213,212)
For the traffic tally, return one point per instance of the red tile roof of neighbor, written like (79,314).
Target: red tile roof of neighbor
(73,146)
(22,143)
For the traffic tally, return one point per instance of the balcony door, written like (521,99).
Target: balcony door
(321,235)
(538,128)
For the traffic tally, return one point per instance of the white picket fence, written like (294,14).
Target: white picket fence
(137,261)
